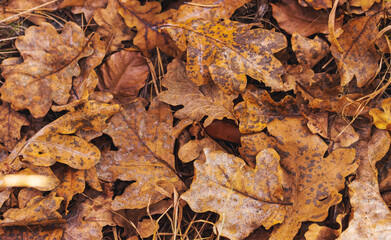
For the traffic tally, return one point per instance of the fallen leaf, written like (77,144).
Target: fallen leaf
(356,60)
(371,215)
(227,51)
(207,100)
(252,144)
(31,232)
(26,194)
(144,155)
(315,180)
(147,227)
(124,74)
(45,73)
(317,232)
(193,149)
(207,9)
(223,130)
(309,51)
(364,4)
(245,198)
(10,124)
(89,7)
(382,119)
(294,18)
(147,19)
(319,4)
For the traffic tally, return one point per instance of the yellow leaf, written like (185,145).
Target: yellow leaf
(382,119)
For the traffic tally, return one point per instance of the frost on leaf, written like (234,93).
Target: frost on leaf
(245,198)
(145,155)
(227,51)
(44,72)
(207,100)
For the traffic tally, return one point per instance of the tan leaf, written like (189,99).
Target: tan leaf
(144,155)
(309,51)
(292,17)
(356,60)
(227,51)
(320,232)
(89,7)
(10,124)
(364,4)
(207,100)
(147,19)
(245,198)
(124,74)
(207,9)
(44,73)
(194,149)
(382,119)
(147,227)
(252,144)
(26,194)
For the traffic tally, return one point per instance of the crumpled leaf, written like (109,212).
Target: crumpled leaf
(147,19)
(39,210)
(382,119)
(10,124)
(245,198)
(207,100)
(314,180)
(124,74)
(112,26)
(144,155)
(45,73)
(371,215)
(207,9)
(356,60)
(258,109)
(309,51)
(227,51)
(292,17)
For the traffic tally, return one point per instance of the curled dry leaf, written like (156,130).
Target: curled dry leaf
(207,9)
(144,155)
(207,100)
(124,74)
(292,17)
(309,51)
(227,51)
(356,60)
(371,215)
(10,124)
(245,198)
(44,73)
(147,19)
(382,119)
(112,26)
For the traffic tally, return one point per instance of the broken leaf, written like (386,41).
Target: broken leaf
(207,100)
(44,72)
(245,198)
(227,51)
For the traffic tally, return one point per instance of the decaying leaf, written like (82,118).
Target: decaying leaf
(144,155)
(10,125)
(245,198)
(227,51)
(371,215)
(207,100)
(147,19)
(124,74)
(382,119)
(44,73)
(309,51)
(356,60)
(193,149)
(31,232)
(292,17)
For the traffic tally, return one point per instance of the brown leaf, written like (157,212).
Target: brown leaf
(193,149)
(10,124)
(124,74)
(364,4)
(382,119)
(89,7)
(45,73)
(292,17)
(31,233)
(207,100)
(245,198)
(359,58)
(147,19)
(223,130)
(227,51)
(320,232)
(319,4)
(309,51)
(144,155)
(252,144)
(207,9)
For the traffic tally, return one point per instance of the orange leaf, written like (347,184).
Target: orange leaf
(309,51)
(382,119)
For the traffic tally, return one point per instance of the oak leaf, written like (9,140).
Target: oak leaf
(245,198)
(382,119)
(147,19)
(364,4)
(292,17)
(319,4)
(32,232)
(193,149)
(207,100)
(45,73)
(10,124)
(227,51)
(356,60)
(309,51)
(124,74)
(144,155)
